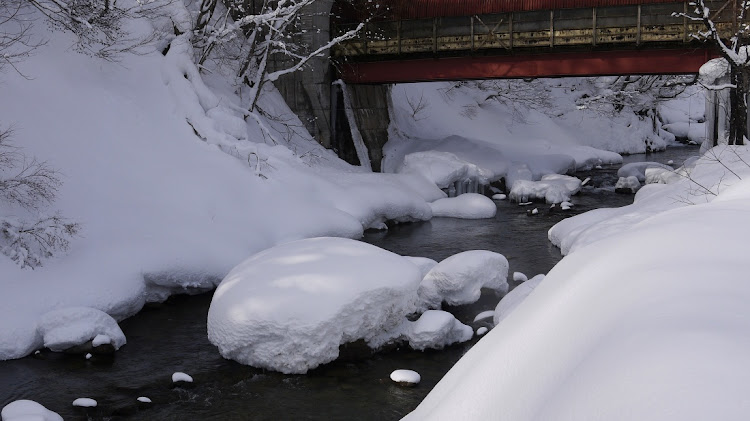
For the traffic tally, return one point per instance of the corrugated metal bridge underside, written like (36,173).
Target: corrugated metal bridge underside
(409,44)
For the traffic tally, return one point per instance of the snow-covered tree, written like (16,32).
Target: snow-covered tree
(732,44)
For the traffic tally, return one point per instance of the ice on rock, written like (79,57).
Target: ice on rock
(143,399)
(515,297)
(67,327)
(484,315)
(481,331)
(552,188)
(627,184)
(85,403)
(289,308)
(436,329)
(460,278)
(27,410)
(406,376)
(179,376)
(465,206)
(424,264)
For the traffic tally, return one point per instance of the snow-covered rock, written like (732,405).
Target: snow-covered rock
(552,188)
(442,168)
(520,277)
(436,329)
(512,299)
(27,410)
(661,176)
(424,264)
(290,307)
(406,377)
(465,206)
(67,327)
(482,330)
(85,403)
(459,278)
(179,376)
(627,185)
(499,196)
(638,169)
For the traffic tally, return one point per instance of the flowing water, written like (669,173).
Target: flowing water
(172,337)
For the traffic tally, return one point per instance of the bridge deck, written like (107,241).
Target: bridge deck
(490,40)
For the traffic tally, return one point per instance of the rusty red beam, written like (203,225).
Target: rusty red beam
(590,63)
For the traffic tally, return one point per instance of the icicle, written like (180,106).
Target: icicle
(359,143)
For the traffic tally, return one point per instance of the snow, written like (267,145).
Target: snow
(498,196)
(630,184)
(512,299)
(436,329)
(552,188)
(85,402)
(481,331)
(459,279)
(405,376)
(101,340)
(181,377)
(519,277)
(143,399)
(67,327)
(631,318)
(289,308)
(638,169)
(484,315)
(442,168)
(466,206)
(423,263)
(27,410)
(171,185)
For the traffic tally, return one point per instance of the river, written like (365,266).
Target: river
(172,337)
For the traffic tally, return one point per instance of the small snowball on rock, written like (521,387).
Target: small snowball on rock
(436,329)
(499,196)
(520,277)
(181,377)
(406,377)
(481,331)
(465,206)
(67,327)
(27,410)
(85,402)
(459,279)
(143,399)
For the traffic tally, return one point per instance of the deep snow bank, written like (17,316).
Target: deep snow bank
(171,186)
(634,326)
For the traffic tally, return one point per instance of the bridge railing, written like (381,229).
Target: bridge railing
(529,31)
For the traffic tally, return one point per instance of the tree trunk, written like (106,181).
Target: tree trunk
(738,107)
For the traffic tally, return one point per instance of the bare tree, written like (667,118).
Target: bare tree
(733,47)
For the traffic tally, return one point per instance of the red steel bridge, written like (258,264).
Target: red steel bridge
(427,40)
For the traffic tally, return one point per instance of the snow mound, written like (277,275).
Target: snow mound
(26,410)
(638,169)
(436,329)
(661,176)
(290,307)
(514,298)
(406,376)
(552,188)
(465,206)
(459,278)
(179,376)
(442,168)
(627,184)
(85,403)
(67,327)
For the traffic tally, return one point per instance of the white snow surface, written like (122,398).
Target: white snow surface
(628,183)
(424,264)
(436,329)
(638,169)
(633,325)
(442,168)
(290,307)
(465,206)
(85,402)
(66,327)
(163,210)
(484,315)
(552,188)
(405,376)
(27,410)
(179,376)
(143,399)
(459,279)
(512,299)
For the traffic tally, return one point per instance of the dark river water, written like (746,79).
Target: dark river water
(172,337)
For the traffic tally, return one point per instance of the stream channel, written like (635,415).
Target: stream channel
(172,337)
